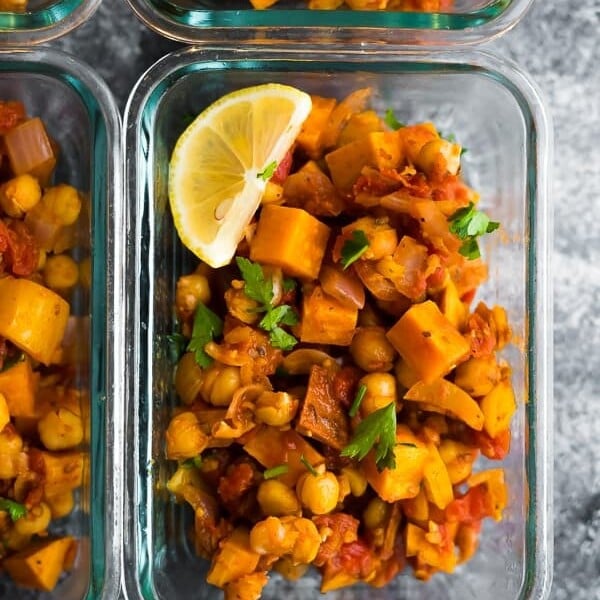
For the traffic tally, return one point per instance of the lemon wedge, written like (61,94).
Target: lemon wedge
(221,164)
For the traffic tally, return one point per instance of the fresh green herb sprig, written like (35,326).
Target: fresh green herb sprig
(354,248)
(275,471)
(268,171)
(176,345)
(360,394)
(15,510)
(468,224)
(308,466)
(391,121)
(377,431)
(259,289)
(207,326)
(192,463)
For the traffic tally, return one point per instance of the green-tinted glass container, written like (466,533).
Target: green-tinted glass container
(495,111)
(43,20)
(81,116)
(192,21)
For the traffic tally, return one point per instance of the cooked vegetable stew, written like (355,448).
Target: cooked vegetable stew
(43,410)
(338,380)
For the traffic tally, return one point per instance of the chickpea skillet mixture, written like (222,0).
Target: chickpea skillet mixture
(428,6)
(337,378)
(41,409)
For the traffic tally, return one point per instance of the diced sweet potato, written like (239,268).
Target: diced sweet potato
(40,565)
(322,417)
(326,320)
(309,188)
(290,238)
(311,136)
(428,341)
(61,471)
(272,447)
(359,126)
(379,149)
(32,317)
(233,560)
(498,407)
(404,481)
(19,385)
(443,396)
(451,305)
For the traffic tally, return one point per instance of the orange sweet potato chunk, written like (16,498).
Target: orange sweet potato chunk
(290,238)
(19,385)
(310,138)
(428,341)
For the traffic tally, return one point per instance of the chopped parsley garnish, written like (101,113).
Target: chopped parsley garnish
(207,326)
(275,471)
(377,431)
(259,289)
(468,224)
(289,285)
(354,248)
(176,343)
(391,121)
(15,510)
(195,462)
(268,171)
(450,137)
(360,394)
(308,466)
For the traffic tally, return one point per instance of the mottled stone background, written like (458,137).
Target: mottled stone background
(558,43)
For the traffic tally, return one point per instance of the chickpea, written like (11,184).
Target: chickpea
(226,383)
(239,305)
(271,536)
(190,290)
(185,438)
(308,542)
(369,317)
(291,571)
(10,441)
(4,412)
(478,376)
(276,408)
(381,391)
(376,513)
(439,152)
(277,499)
(383,238)
(20,194)
(404,374)
(371,350)
(61,504)
(61,272)
(318,493)
(63,203)
(36,520)
(189,378)
(60,429)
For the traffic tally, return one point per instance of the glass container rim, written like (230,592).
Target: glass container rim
(538,459)
(30,28)
(104,575)
(273,27)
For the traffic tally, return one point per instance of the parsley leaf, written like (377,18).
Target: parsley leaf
(176,343)
(377,431)
(391,121)
(450,137)
(360,394)
(268,171)
(308,466)
(280,338)
(468,224)
(15,510)
(207,326)
(275,471)
(289,285)
(260,290)
(255,285)
(190,463)
(354,248)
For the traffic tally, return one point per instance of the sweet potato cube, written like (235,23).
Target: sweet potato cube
(322,417)
(404,480)
(379,149)
(310,138)
(19,385)
(290,238)
(40,565)
(233,560)
(359,126)
(428,341)
(29,150)
(498,408)
(451,305)
(61,471)
(32,317)
(438,486)
(326,320)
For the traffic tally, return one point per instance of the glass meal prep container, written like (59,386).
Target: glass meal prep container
(80,116)
(495,111)
(27,22)
(467,21)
